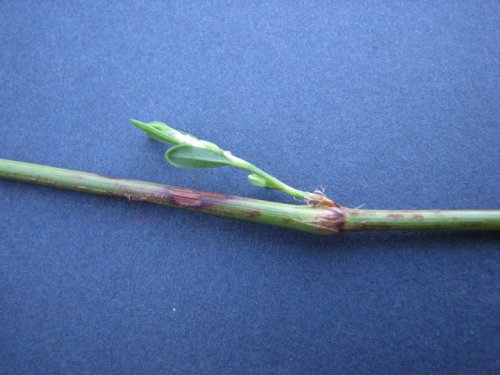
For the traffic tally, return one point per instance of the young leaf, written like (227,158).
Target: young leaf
(156,130)
(191,152)
(259,181)
(164,133)
(184,156)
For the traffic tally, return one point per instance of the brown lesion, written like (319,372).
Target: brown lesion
(195,199)
(329,220)
(254,213)
(183,198)
(172,196)
(207,194)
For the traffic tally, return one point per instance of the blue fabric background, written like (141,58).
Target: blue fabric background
(392,105)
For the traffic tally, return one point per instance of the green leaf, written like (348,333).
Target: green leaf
(259,181)
(184,156)
(156,130)
(164,133)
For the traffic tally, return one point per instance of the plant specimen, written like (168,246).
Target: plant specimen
(318,214)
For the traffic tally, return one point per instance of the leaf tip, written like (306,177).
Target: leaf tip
(138,123)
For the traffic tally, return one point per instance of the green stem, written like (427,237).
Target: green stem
(357,220)
(320,220)
(277,184)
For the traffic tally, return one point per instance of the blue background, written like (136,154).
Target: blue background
(392,105)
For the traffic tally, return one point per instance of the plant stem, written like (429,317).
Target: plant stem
(422,220)
(320,220)
(277,184)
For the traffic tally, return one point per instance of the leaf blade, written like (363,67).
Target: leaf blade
(155,130)
(257,180)
(185,156)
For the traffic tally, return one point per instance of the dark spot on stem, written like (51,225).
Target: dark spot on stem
(330,220)
(194,199)
(207,194)
(254,213)
(183,198)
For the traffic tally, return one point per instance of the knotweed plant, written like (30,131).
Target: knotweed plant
(191,152)
(317,213)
